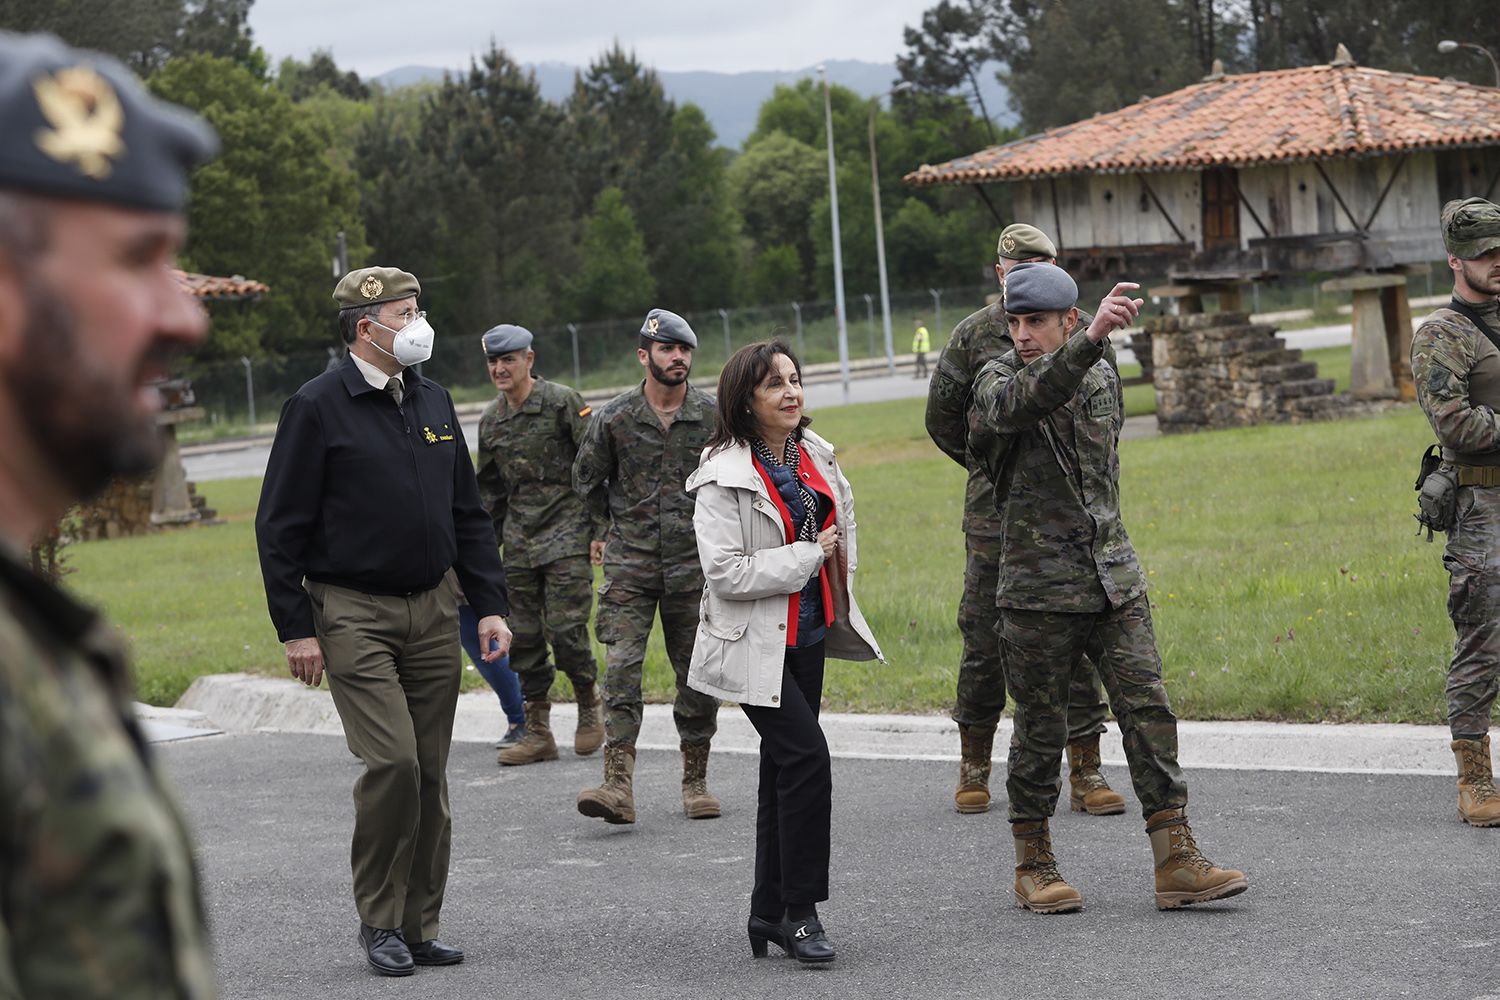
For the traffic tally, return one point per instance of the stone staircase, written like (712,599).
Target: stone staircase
(1214,370)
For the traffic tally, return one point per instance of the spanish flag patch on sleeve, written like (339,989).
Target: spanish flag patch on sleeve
(585,411)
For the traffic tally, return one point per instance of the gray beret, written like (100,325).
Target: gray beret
(78,124)
(505,339)
(1039,287)
(668,328)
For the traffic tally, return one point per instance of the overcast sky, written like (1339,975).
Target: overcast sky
(373,36)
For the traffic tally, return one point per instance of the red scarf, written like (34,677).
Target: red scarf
(813,479)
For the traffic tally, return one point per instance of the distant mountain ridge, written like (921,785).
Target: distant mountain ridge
(730,100)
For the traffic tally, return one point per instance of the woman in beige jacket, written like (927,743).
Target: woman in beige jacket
(775,527)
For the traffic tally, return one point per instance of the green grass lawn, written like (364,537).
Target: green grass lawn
(1286,578)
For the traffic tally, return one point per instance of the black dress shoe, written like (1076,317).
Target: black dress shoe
(763,931)
(805,940)
(434,952)
(386,951)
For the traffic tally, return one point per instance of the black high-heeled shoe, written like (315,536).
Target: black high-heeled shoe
(763,931)
(805,940)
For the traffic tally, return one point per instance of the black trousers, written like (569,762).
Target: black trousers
(796,791)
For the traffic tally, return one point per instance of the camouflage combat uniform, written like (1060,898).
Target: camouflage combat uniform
(976,340)
(1069,581)
(525,481)
(631,466)
(99,896)
(1457,373)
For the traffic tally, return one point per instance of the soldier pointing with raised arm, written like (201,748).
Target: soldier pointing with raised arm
(1070,583)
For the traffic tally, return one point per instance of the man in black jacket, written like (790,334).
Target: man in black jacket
(369,499)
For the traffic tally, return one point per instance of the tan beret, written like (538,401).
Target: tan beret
(371,285)
(1018,241)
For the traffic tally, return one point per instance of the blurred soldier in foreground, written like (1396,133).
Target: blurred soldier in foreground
(1070,583)
(528,438)
(641,447)
(99,895)
(1455,361)
(977,340)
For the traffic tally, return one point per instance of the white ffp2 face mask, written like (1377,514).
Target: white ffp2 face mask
(412,344)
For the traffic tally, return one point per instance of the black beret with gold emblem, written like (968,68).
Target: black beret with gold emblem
(78,124)
(666,327)
(370,286)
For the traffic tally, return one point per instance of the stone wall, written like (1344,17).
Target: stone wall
(1217,370)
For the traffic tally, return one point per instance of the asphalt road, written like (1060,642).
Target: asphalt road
(1361,886)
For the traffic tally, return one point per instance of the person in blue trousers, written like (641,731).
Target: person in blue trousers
(499,675)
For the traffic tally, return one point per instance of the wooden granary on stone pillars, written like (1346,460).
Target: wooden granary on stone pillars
(1338,169)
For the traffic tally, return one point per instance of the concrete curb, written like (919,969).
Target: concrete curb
(240,703)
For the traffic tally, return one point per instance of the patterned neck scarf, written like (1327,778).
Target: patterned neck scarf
(796,494)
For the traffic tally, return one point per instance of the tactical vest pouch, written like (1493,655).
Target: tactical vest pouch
(1437,494)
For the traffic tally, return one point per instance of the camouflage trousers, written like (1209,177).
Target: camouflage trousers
(550,604)
(1042,650)
(981,670)
(1472,557)
(623,624)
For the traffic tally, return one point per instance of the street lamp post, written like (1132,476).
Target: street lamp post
(577,367)
(1447,45)
(728,345)
(838,252)
(249,387)
(870,319)
(885,292)
(801,347)
(937,306)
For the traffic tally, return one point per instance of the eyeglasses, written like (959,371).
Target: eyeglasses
(407,317)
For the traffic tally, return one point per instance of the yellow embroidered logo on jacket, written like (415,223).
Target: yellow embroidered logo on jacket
(433,438)
(86,119)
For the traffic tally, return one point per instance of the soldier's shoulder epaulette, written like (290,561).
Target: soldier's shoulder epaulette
(612,410)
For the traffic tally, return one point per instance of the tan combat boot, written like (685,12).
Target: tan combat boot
(976,744)
(613,801)
(1090,792)
(1478,803)
(537,744)
(1183,874)
(590,732)
(697,801)
(1039,887)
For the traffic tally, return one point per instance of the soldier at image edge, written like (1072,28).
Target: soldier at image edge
(976,340)
(99,891)
(1455,362)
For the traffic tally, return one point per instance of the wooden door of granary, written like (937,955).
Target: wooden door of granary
(1221,210)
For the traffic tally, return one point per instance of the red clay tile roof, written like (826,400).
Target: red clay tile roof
(1315,112)
(206,286)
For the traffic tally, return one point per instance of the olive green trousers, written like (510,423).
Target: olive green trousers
(393,669)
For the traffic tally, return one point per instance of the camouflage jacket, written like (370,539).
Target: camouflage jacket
(99,895)
(1050,443)
(639,470)
(1457,374)
(978,339)
(526,474)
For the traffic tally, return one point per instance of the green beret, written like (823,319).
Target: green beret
(1018,241)
(1038,287)
(504,339)
(371,285)
(666,327)
(78,124)
(1471,227)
